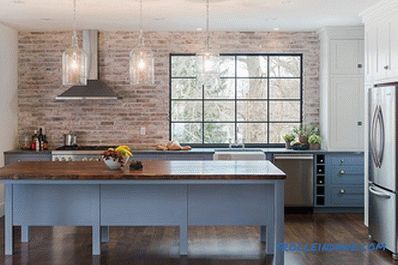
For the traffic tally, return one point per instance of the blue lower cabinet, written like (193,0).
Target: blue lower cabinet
(347,174)
(346,196)
(344,181)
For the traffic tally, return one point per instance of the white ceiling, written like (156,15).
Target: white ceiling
(183,15)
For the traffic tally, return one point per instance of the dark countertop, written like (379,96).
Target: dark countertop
(199,150)
(153,170)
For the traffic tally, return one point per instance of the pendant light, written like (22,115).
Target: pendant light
(208,60)
(74,60)
(142,69)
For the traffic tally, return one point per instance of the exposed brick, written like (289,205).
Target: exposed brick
(117,122)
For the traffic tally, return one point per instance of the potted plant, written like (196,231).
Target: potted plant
(303,132)
(288,138)
(315,141)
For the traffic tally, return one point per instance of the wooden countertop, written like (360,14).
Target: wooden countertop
(153,170)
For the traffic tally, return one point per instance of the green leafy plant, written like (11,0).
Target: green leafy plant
(289,137)
(314,139)
(305,130)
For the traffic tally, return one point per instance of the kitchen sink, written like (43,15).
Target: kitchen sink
(237,149)
(239,154)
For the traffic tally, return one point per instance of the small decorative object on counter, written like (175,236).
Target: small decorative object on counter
(136,165)
(172,145)
(39,141)
(118,157)
(34,140)
(288,138)
(315,142)
(27,142)
(300,146)
(45,142)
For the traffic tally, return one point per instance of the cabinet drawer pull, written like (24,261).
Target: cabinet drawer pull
(342,191)
(19,160)
(341,172)
(386,67)
(359,65)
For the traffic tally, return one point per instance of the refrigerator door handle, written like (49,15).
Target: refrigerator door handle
(379,193)
(382,136)
(372,136)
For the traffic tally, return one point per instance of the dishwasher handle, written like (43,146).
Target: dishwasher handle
(293,157)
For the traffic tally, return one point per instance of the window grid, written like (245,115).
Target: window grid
(268,100)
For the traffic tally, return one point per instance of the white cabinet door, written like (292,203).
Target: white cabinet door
(383,50)
(344,57)
(370,53)
(393,54)
(360,56)
(346,113)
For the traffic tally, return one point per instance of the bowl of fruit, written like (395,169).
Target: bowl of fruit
(116,158)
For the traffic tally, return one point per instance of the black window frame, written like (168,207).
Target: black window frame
(235,100)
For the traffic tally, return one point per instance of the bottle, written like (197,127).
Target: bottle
(40,138)
(45,142)
(37,144)
(34,138)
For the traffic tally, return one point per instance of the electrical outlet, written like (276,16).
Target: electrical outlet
(142,131)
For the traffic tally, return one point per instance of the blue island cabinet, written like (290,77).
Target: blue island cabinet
(339,181)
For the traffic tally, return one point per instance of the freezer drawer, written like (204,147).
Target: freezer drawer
(382,217)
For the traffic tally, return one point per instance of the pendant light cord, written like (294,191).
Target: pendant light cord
(207,25)
(141,36)
(74,35)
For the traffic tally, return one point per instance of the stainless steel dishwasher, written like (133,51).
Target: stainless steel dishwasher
(299,180)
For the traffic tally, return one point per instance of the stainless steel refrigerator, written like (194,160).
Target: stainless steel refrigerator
(383,166)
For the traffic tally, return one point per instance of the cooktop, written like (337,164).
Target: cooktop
(85,148)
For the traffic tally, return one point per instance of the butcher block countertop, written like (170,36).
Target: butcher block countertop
(153,170)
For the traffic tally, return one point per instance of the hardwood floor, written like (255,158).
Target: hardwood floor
(207,245)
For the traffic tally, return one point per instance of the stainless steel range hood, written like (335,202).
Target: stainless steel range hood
(95,89)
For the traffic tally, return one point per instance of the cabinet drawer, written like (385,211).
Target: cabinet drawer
(347,196)
(14,158)
(345,159)
(345,174)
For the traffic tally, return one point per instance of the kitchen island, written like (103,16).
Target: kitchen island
(164,193)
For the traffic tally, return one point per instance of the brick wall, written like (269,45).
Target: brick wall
(116,122)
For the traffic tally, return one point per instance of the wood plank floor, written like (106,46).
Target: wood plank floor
(207,245)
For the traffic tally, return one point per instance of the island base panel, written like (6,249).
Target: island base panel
(103,205)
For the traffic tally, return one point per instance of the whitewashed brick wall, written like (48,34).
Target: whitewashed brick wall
(116,122)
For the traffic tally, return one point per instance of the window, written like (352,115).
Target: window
(258,99)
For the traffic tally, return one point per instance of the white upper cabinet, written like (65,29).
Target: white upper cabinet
(381,38)
(370,54)
(342,88)
(346,57)
(393,37)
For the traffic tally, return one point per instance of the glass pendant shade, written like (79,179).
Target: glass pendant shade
(74,60)
(208,68)
(142,61)
(208,61)
(74,67)
(142,65)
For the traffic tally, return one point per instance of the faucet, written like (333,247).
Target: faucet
(236,143)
